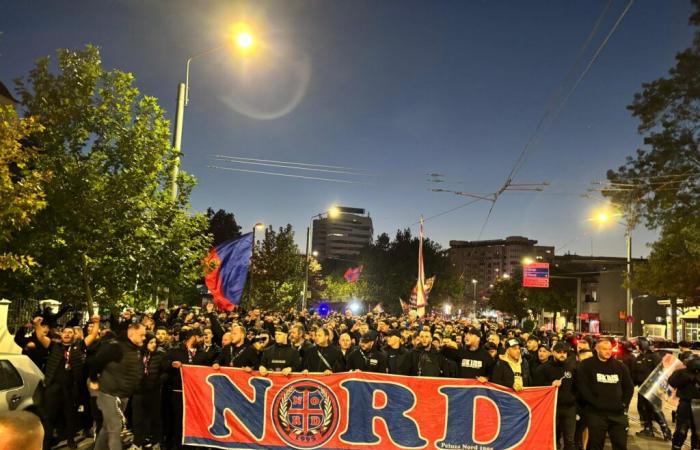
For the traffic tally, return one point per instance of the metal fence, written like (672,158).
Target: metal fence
(20,312)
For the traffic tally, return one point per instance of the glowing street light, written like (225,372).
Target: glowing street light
(603,217)
(244,41)
(527,261)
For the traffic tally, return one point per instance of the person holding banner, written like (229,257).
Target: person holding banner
(365,357)
(605,387)
(281,357)
(511,369)
(323,357)
(473,361)
(237,353)
(687,384)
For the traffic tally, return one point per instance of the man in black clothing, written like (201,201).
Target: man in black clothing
(64,377)
(323,357)
(119,369)
(238,353)
(297,340)
(188,352)
(687,384)
(365,357)
(643,366)
(559,372)
(473,361)
(395,352)
(425,360)
(606,388)
(281,357)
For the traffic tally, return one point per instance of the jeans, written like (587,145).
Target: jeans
(112,409)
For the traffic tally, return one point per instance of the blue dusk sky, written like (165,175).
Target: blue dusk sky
(394,90)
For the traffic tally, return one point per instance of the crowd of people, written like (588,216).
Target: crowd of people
(123,371)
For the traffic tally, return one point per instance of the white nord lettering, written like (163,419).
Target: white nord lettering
(471,363)
(607,378)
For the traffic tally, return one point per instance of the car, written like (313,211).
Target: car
(21,383)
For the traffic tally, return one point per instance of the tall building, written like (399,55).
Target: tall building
(343,236)
(485,261)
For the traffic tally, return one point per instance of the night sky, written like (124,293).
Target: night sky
(394,89)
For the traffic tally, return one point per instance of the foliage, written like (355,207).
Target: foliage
(508,296)
(222,226)
(673,267)
(390,269)
(21,192)
(110,232)
(277,270)
(336,288)
(661,183)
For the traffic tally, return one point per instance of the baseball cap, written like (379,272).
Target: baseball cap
(512,343)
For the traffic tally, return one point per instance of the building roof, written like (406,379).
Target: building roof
(510,240)
(6,97)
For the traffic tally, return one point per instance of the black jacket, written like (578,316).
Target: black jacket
(471,364)
(183,355)
(57,362)
(396,359)
(565,371)
(686,383)
(320,359)
(119,367)
(278,357)
(371,361)
(503,374)
(644,364)
(424,362)
(604,385)
(155,369)
(243,356)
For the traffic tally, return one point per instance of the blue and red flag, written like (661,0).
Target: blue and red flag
(352,275)
(227,265)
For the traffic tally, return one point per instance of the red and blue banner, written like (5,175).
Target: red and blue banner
(227,266)
(352,275)
(233,409)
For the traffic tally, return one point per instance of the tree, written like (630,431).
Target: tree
(390,270)
(661,183)
(21,184)
(337,289)
(508,296)
(222,226)
(110,232)
(673,267)
(277,271)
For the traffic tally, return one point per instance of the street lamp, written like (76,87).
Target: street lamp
(603,218)
(257,226)
(244,41)
(474,282)
(331,213)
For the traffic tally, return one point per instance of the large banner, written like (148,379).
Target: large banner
(234,409)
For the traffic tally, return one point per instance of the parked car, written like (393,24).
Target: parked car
(20,383)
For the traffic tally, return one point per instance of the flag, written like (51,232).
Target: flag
(352,275)
(405,306)
(226,279)
(378,309)
(420,285)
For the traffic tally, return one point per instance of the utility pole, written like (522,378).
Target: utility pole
(177,139)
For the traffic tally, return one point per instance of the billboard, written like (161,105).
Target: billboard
(536,275)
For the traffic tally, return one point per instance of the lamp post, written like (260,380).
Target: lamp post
(474,282)
(243,40)
(603,218)
(257,226)
(332,213)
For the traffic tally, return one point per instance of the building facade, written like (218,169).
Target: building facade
(342,237)
(486,261)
